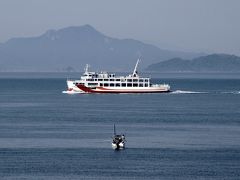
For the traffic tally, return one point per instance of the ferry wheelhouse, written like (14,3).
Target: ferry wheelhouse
(103,82)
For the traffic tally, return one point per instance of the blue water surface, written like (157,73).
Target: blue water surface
(191,133)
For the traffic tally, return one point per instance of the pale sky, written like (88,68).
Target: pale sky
(191,25)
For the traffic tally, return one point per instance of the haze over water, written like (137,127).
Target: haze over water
(191,133)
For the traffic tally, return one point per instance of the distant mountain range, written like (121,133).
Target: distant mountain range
(69,49)
(209,63)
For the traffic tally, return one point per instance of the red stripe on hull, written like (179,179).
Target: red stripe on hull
(85,89)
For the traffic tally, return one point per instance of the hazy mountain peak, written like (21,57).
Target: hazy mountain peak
(73,32)
(76,46)
(80,30)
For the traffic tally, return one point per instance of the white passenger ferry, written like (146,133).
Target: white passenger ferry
(92,82)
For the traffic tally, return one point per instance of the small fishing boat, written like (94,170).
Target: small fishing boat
(118,140)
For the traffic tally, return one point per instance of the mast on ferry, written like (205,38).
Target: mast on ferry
(86,69)
(135,74)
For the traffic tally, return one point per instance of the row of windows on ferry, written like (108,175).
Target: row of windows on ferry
(122,80)
(119,84)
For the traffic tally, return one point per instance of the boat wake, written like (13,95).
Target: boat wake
(72,92)
(187,92)
(231,92)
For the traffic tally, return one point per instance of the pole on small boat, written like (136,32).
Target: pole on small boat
(114,130)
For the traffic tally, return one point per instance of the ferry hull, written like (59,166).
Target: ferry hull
(121,90)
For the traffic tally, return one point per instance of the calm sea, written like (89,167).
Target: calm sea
(191,133)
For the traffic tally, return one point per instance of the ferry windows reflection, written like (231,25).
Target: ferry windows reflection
(92,84)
